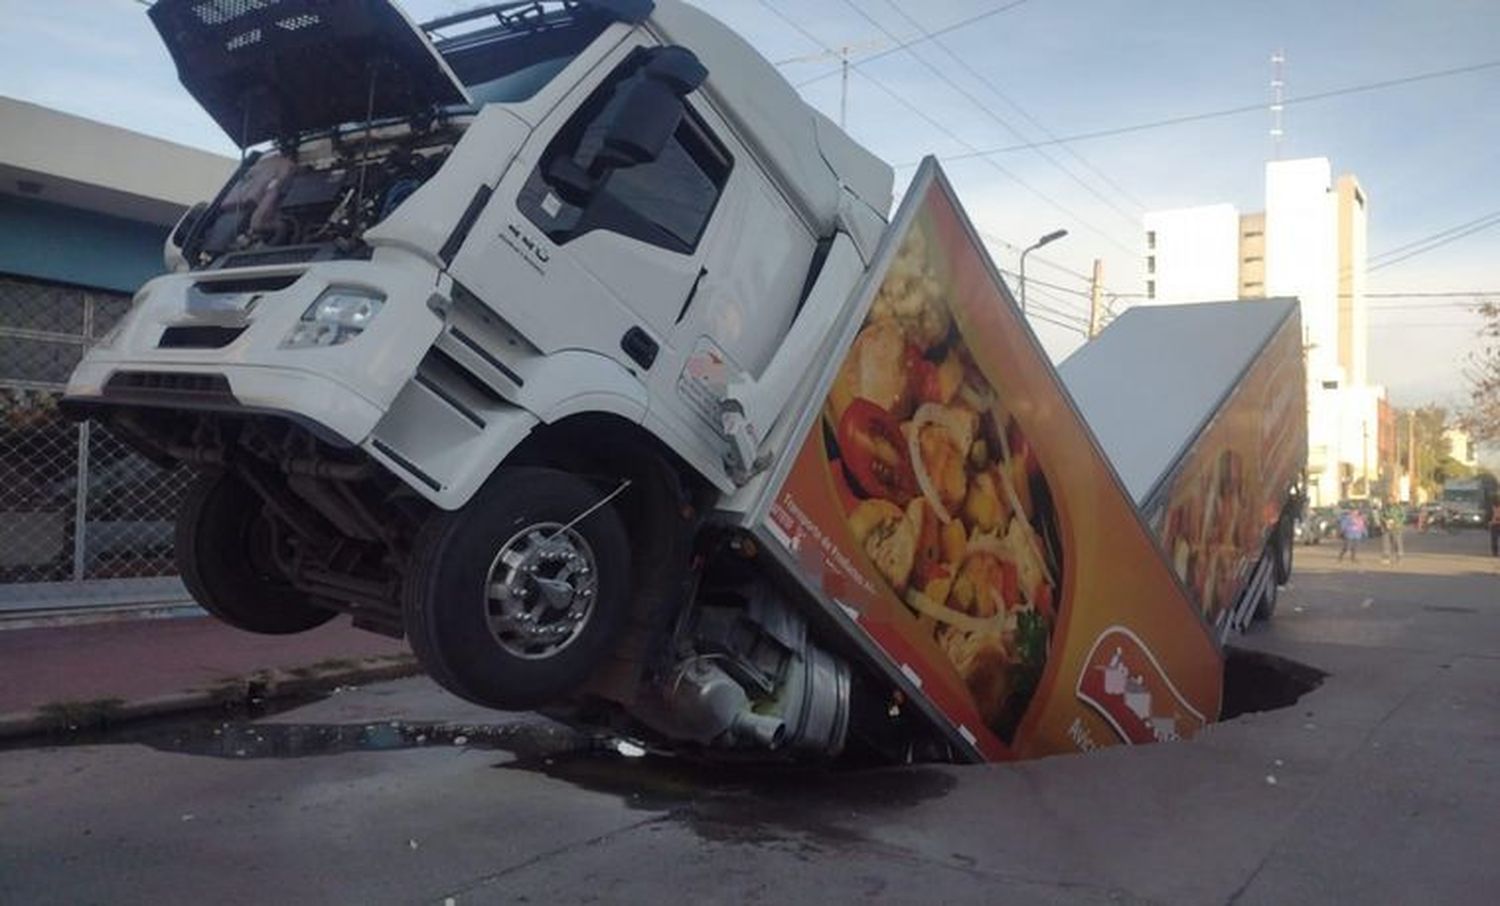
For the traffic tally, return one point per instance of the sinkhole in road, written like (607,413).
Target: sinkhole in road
(1256,682)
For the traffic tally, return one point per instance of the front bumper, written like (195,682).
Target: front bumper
(340,393)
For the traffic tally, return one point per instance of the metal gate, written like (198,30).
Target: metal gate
(84,522)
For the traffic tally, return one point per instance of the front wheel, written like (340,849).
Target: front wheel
(226,555)
(513,601)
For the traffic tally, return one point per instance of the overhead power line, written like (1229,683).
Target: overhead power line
(991,237)
(1258,107)
(940,127)
(1445,294)
(1410,245)
(1437,241)
(928,36)
(1033,281)
(1132,217)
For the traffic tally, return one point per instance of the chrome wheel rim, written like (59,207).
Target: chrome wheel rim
(540,591)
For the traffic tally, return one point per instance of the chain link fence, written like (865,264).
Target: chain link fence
(83,520)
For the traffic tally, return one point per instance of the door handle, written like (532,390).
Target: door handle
(692,294)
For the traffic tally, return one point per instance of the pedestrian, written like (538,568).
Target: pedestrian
(1353,529)
(1393,520)
(1495,528)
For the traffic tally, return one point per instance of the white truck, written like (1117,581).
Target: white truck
(561,338)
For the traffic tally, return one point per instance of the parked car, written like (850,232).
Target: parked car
(1317,524)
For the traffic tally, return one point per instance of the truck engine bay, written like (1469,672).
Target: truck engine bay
(315,201)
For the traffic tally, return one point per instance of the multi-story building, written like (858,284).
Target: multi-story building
(1461,447)
(1192,255)
(1310,242)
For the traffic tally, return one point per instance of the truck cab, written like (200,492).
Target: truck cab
(494,311)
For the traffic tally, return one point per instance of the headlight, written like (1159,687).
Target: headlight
(340,314)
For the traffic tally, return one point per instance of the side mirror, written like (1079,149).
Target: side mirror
(646,110)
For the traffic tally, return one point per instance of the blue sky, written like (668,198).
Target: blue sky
(1425,152)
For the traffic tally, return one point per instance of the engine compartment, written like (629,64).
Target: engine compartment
(315,201)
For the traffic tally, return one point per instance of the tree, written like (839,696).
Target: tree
(1435,460)
(1482,419)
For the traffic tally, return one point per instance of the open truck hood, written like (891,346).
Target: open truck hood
(266,69)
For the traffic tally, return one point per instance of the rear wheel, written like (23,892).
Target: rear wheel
(1283,550)
(513,601)
(1266,608)
(226,555)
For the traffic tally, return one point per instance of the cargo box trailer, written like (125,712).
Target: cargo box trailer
(1203,411)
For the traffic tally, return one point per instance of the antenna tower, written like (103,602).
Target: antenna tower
(1278,102)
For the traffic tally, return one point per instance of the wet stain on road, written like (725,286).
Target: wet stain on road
(803,810)
(242,739)
(251,740)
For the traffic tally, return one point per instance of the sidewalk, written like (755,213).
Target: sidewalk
(52,677)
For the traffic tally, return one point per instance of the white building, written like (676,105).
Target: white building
(1192,255)
(1461,447)
(1311,244)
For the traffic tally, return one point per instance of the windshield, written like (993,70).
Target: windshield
(512,61)
(1470,496)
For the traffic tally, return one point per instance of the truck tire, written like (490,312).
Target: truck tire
(1284,551)
(224,556)
(513,601)
(1265,609)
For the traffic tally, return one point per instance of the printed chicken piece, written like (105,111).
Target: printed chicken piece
(875,370)
(986,508)
(889,538)
(943,437)
(983,585)
(912,296)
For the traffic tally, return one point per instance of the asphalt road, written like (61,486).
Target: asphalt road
(1382,786)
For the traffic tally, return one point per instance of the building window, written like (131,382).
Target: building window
(1254,234)
(1254,259)
(1151,240)
(1151,265)
(1150,289)
(1330,385)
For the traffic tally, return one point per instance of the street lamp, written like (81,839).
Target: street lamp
(1045,240)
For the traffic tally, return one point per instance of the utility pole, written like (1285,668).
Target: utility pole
(1365,449)
(1411,454)
(1096,299)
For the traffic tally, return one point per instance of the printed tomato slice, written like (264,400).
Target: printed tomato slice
(875,453)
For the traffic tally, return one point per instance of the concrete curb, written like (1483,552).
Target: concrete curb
(61,718)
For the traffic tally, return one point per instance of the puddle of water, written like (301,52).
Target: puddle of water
(1255,682)
(802,808)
